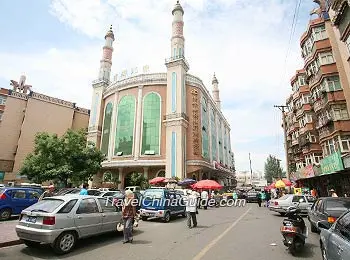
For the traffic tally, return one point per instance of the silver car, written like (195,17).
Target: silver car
(60,221)
(282,204)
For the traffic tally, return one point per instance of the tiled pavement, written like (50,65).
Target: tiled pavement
(8,236)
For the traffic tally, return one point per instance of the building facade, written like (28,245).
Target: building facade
(23,114)
(160,124)
(317,122)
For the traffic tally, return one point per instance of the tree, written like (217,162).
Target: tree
(137,179)
(273,169)
(61,158)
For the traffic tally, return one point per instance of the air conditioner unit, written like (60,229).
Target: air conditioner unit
(119,153)
(150,152)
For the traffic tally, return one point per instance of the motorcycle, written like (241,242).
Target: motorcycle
(294,230)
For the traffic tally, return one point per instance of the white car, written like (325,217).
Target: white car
(282,204)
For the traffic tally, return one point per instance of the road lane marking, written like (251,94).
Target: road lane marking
(217,239)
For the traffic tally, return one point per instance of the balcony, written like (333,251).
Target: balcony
(316,47)
(325,132)
(311,148)
(295,142)
(318,105)
(175,116)
(295,95)
(323,122)
(324,70)
(299,113)
(178,58)
(334,96)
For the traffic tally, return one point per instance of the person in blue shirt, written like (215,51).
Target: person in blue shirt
(84,190)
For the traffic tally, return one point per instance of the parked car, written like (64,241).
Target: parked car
(282,204)
(133,188)
(335,239)
(327,209)
(65,191)
(157,203)
(252,196)
(60,221)
(13,200)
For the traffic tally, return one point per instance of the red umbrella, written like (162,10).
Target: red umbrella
(287,182)
(207,184)
(272,186)
(156,180)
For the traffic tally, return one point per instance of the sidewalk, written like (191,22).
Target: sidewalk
(8,235)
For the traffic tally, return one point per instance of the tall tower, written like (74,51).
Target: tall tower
(216,92)
(97,105)
(176,119)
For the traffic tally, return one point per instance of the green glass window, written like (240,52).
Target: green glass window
(125,126)
(333,83)
(205,128)
(213,135)
(151,124)
(106,128)
(221,152)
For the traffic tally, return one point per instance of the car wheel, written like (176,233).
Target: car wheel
(5,214)
(65,242)
(324,253)
(29,243)
(313,228)
(167,217)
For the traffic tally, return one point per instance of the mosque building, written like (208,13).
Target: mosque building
(163,124)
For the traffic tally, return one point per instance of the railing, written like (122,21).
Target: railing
(176,58)
(175,115)
(294,142)
(318,105)
(323,122)
(299,112)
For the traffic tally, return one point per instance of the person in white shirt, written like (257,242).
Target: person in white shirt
(333,194)
(191,209)
(204,199)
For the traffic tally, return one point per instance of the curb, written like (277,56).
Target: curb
(11,243)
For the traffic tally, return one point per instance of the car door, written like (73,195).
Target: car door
(88,218)
(19,200)
(33,197)
(312,211)
(339,241)
(110,215)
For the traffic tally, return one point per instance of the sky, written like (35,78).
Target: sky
(58,44)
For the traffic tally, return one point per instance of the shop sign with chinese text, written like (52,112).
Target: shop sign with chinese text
(332,163)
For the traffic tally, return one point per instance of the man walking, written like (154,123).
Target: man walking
(204,199)
(191,209)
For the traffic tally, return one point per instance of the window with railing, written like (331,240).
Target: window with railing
(340,112)
(345,19)
(345,143)
(301,81)
(305,99)
(2,100)
(325,58)
(316,93)
(331,84)
(311,138)
(329,147)
(319,33)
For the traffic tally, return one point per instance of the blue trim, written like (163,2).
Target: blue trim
(174,54)
(173,154)
(173,92)
(180,52)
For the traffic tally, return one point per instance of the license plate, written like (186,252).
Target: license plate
(31,219)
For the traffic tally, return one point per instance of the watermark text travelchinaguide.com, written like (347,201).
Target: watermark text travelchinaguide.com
(156,202)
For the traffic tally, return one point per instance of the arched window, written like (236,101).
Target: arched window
(125,126)
(151,124)
(161,173)
(213,135)
(106,128)
(205,128)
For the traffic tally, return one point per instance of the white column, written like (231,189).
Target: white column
(209,132)
(145,172)
(137,147)
(111,143)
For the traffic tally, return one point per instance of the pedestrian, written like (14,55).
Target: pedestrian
(48,193)
(333,194)
(268,198)
(191,209)
(84,191)
(204,199)
(128,214)
(259,199)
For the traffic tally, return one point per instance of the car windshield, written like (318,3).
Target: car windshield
(284,197)
(154,194)
(46,205)
(341,205)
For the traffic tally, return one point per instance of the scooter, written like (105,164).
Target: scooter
(294,230)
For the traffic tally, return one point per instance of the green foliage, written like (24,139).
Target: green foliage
(137,179)
(273,169)
(62,158)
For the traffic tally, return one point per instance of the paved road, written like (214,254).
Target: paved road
(224,233)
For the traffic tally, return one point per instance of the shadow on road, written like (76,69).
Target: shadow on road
(308,251)
(141,242)
(83,246)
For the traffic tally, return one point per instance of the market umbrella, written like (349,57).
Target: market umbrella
(272,186)
(170,180)
(186,182)
(280,184)
(207,184)
(156,180)
(287,182)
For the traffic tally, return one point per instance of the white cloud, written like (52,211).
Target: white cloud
(243,42)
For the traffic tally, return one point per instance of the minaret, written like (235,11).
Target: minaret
(97,105)
(106,61)
(176,120)
(216,92)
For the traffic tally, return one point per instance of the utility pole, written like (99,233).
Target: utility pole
(251,171)
(283,110)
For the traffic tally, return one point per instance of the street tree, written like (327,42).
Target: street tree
(138,179)
(69,157)
(273,169)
